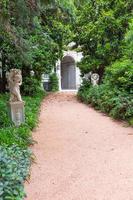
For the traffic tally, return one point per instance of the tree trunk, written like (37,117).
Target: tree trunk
(3,78)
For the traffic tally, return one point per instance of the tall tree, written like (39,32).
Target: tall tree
(100,30)
(33,34)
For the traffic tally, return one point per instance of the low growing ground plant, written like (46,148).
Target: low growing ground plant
(14,169)
(15,157)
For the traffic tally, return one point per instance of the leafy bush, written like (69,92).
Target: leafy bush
(109,100)
(31,86)
(115,95)
(12,135)
(54,82)
(15,158)
(120,74)
(99,30)
(129,42)
(22,135)
(4,120)
(14,168)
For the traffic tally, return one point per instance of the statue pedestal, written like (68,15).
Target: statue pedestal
(16,111)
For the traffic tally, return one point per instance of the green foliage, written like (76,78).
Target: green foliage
(54,82)
(14,169)
(22,135)
(33,34)
(120,75)
(31,86)
(109,100)
(15,158)
(69,8)
(115,95)
(129,42)
(4,120)
(100,29)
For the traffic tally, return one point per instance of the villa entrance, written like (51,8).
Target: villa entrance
(68,73)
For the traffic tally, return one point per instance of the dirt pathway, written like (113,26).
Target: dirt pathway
(81,154)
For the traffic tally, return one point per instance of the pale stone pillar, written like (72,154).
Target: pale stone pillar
(16,112)
(16,104)
(58,72)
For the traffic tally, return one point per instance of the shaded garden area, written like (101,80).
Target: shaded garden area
(15,157)
(33,36)
(106,39)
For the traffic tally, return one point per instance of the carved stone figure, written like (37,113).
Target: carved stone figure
(15,105)
(94,79)
(88,76)
(14,79)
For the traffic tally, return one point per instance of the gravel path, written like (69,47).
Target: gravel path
(81,154)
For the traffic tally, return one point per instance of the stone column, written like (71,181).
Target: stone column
(16,112)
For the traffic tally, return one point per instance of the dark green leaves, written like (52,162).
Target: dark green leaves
(100,30)
(14,168)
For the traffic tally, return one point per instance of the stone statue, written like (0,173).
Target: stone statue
(15,105)
(14,79)
(87,76)
(94,79)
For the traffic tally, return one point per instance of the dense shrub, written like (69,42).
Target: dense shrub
(100,29)
(115,95)
(14,168)
(120,74)
(21,136)
(54,82)
(4,120)
(111,100)
(15,158)
(31,86)
(129,42)
(38,32)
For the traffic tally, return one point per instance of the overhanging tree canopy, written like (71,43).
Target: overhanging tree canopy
(100,29)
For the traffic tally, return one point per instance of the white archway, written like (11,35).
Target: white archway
(68,73)
(69,57)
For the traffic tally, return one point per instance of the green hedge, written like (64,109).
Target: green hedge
(120,75)
(31,86)
(109,99)
(54,82)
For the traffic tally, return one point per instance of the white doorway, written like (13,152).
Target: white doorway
(68,73)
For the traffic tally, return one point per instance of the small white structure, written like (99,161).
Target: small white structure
(14,79)
(16,105)
(67,71)
(45,81)
(94,79)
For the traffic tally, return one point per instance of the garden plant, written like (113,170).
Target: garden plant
(33,36)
